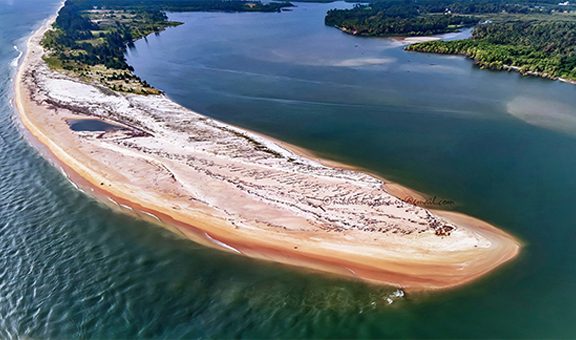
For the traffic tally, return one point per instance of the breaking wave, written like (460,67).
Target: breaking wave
(15,61)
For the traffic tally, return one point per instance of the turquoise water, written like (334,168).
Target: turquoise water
(502,147)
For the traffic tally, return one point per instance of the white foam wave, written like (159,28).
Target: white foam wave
(15,61)
(111,200)
(126,207)
(395,295)
(150,214)
(221,244)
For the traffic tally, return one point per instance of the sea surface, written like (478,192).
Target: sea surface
(495,145)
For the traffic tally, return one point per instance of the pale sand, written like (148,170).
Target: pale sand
(244,193)
(416,40)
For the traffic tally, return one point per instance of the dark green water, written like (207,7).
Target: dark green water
(91,125)
(501,146)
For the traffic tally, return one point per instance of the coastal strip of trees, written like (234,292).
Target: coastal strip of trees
(533,37)
(72,41)
(383,18)
(536,47)
(426,17)
(186,5)
(89,38)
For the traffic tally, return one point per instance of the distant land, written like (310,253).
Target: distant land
(89,37)
(536,38)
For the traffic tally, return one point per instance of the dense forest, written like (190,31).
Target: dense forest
(382,19)
(534,37)
(395,17)
(185,5)
(89,37)
(425,17)
(542,47)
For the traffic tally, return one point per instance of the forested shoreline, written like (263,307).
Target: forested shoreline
(536,46)
(427,17)
(532,37)
(89,37)
(546,49)
(385,18)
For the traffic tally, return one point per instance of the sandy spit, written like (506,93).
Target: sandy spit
(245,193)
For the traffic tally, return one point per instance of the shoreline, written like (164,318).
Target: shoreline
(504,68)
(331,253)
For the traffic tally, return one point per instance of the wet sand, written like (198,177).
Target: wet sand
(244,193)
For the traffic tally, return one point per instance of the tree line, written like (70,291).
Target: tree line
(76,40)
(544,48)
(425,17)
(187,5)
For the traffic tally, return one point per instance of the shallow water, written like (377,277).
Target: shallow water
(92,125)
(71,267)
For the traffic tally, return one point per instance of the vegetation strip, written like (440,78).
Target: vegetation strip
(89,37)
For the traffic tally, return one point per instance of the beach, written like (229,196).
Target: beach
(244,193)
